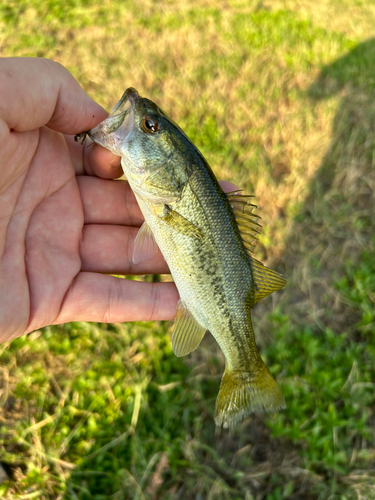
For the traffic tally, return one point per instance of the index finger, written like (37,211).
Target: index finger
(39,92)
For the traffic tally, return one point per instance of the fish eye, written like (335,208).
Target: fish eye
(150,124)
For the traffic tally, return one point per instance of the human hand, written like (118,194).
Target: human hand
(63,219)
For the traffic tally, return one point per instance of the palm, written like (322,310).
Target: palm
(61,231)
(52,239)
(44,227)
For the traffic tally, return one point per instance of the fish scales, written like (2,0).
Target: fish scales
(221,277)
(197,228)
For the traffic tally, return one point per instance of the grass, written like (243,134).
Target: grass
(279,96)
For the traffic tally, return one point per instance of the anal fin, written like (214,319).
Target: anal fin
(187,333)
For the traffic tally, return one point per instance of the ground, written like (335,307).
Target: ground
(279,97)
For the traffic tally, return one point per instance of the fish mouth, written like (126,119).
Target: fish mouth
(118,127)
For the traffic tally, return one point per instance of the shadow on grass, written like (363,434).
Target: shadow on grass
(329,259)
(174,451)
(337,219)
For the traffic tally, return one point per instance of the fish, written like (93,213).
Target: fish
(206,238)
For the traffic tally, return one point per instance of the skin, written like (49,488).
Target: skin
(64,220)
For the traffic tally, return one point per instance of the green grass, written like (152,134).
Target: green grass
(279,96)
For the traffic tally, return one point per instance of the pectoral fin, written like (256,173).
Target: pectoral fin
(178,222)
(145,245)
(187,333)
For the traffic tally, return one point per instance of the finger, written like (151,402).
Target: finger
(109,249)
(42,92)
(92,159)
(113,202)
(101,298)
(227,186)
(108,202)
(102,162)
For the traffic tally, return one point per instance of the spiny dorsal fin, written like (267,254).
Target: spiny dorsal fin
(265,279)
(245,218)
(187,333)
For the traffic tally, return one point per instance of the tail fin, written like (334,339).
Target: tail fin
(243,392)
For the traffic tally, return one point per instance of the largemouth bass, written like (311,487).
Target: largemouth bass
(205,236)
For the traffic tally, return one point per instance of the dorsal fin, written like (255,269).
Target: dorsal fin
(245,218)
(266,280)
